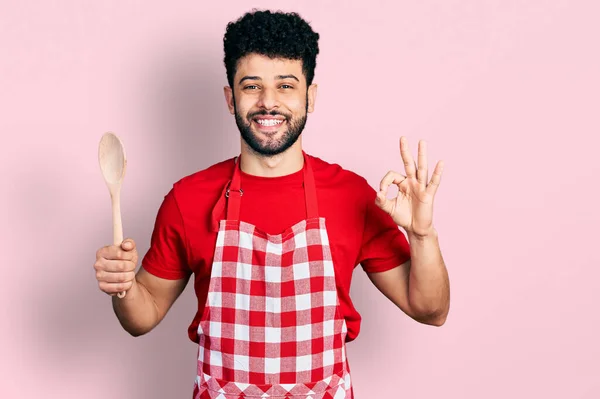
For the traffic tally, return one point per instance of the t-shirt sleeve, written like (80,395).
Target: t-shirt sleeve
(383,246)
(166,257)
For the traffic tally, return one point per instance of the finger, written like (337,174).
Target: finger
(108,277)
(409,163)
(128,244)
(436,178)
(114,266)
(115,252)
(390,178)
(422,164)
(384,203)
(114,288)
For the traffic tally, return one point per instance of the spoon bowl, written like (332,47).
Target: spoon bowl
(111,156)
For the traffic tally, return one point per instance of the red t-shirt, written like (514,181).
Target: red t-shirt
(183,240)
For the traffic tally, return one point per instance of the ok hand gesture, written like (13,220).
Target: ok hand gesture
(412,209)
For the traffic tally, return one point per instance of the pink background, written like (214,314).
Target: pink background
(506,93)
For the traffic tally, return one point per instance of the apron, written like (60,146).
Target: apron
(272,325)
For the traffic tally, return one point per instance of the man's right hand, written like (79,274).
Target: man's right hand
(115,267)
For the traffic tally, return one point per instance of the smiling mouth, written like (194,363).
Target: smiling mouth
(268,125)
(269,122)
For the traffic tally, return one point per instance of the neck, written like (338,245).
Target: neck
(288,162)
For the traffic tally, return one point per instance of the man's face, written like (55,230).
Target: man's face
(270,102)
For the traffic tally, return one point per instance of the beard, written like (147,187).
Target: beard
(271,146)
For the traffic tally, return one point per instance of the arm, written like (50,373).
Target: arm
(420,286)
(162,277)
(147,302)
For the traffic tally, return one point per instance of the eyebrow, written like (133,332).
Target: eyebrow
(281,77)
(278,77)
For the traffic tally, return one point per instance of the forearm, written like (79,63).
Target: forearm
(137,312)
(428,288)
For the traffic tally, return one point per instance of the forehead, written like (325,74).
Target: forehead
(267,68)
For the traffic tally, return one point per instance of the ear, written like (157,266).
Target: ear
(312,96)
(229,98)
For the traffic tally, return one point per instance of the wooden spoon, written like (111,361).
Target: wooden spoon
(113,162)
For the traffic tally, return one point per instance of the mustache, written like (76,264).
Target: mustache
(267,113)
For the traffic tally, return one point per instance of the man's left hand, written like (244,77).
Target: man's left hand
(412,209)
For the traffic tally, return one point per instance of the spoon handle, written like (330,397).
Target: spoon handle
(117,223)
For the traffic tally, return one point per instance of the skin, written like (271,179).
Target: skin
(261,83)
(420,287)
(278,87)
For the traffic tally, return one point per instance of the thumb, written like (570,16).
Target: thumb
(128,244)
(384,203)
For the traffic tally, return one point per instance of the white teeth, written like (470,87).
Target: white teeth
(269,122)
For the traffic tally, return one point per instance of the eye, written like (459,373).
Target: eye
(284,86)
(250,87)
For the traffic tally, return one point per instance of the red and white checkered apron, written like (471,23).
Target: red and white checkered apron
(272,325)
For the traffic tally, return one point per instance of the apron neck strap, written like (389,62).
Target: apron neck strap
(234,192)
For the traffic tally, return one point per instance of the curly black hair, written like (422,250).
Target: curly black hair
(273,34)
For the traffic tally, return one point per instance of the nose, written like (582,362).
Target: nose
(268,99)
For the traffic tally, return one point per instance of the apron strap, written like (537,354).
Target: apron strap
(233,191)
(310,190)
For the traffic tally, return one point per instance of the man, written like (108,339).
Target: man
(272,237)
